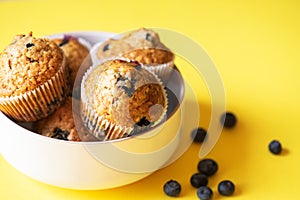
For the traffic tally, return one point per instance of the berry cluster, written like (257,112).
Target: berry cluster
(208,167)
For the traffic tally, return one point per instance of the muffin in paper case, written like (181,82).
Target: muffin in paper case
(33,80)
(39,102)
(121,98)
(142,45)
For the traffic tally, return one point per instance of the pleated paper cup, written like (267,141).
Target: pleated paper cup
(103,128)
(39,102)
(163,71)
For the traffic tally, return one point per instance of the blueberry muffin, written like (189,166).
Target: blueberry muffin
(138,39)
(33,79)
(150,56)
(142,45)
(61,125)
(77,55)
(120,98)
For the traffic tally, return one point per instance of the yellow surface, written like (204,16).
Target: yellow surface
(254,44)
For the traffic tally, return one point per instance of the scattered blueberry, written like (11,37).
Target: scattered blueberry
(228,119)
(207,166)
(198,134)
(204,193)
(28,45)
(275,147)
(197,180)
(226,188)
(172,188)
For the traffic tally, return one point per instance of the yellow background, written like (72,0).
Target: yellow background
(254,44)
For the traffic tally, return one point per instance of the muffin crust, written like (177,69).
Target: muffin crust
(27,63)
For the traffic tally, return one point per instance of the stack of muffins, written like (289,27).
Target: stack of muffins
(121,93)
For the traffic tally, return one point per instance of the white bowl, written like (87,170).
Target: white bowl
(94,165)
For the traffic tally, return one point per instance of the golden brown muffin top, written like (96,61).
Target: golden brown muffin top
(150,56)
(137,39)
(27,63)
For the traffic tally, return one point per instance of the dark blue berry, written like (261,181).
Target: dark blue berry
(204,193)
(128,90)
(28,45)
(148,37)
(143,122)
(228,119)
(226,188)
(172,188)
(197,180)
(60,134)
(198,135)
(207,166)
(275,147)
(63,42)
(138,67)
(105,48)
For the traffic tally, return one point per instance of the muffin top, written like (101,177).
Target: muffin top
(138,39)
(150,56)
(27,63)
(76,54)
(125,93)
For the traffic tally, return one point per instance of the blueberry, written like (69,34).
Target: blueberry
(197,180)
(128,90)
(207,166)
(226,188)
(28,45)
(275,147)
(105,48)
(198,135)
(172,188)
(138,67)
(148,37)
(60,134)
(143,122)
(228,119)
(204,193)
(63,42)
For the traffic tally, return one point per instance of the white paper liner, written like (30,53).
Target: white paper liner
(101,127)
(39,102)
(163,71)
